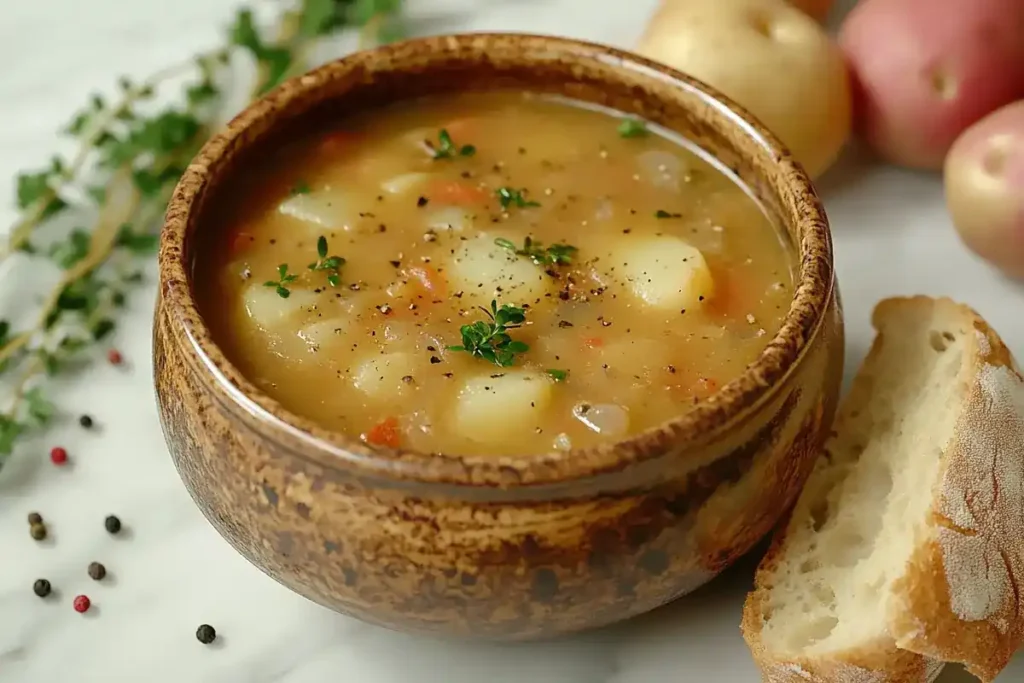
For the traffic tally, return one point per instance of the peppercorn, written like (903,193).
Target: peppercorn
(114,357)
(82,603)
(85,421)
(41,587)
(35,518)
(112,524)
(38,531)
(206,634)
(58,455)
(97,571)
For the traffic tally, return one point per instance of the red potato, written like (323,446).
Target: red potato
(984,177)
(925,70)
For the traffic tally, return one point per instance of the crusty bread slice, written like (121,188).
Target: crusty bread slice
(905,549)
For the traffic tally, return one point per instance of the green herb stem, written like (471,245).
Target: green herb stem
(141,159)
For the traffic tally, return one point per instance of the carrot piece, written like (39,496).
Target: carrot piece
(384,433)
(593,342)
(457,193)
(336,141)
(430,279)
(240,241)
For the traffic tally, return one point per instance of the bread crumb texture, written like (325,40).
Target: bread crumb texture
(911,525)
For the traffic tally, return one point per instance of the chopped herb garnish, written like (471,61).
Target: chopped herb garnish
(558,375)
(301,187)
(632,128)
(283,278)
(661,213)
(329,264)
(553,255)
(510,197)
(489,339)
(447,149)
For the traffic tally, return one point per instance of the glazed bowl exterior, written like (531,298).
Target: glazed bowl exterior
(500,547)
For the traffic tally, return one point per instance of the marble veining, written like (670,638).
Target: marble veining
(169,571)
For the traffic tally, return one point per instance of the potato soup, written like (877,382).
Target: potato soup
(490,273)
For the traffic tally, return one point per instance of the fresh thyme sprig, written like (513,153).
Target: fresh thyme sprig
(508,196)
(328,264)
(129,158)
(553,255)
(632,128)
(284,278)
(447,149)
(489,339)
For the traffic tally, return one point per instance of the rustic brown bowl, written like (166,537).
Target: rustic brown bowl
(510,547)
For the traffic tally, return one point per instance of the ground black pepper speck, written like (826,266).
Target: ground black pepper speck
(206,634)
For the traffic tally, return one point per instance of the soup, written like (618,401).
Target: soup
(490,273)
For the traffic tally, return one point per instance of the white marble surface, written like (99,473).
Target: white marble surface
(171,572)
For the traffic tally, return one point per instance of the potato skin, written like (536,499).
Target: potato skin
(818,9)
(924,70)
(984,179)
(769,57)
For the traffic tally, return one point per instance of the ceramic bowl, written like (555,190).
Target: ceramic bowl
(509,547)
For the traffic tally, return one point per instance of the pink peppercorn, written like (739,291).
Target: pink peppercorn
(114,357)
(58,456)
(82,603)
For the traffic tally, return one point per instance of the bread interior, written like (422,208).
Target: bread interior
(865,506)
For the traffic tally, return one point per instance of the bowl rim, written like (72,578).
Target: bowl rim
(700,424)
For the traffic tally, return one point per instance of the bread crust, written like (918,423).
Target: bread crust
(959,598)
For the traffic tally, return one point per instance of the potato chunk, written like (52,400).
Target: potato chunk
(381,376)
(663,272)
(484,271)
(318,210)
(272,312)
(494,409)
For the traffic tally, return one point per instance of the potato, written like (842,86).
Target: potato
(661,271)
(270,311)
(496,407)
(325,209)
(927,69)
(816,8)
(404,183)
(483,271)
(325,334)
(984,176)
(380,376)
(768,56)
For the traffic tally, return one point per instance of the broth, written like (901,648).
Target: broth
(630,277)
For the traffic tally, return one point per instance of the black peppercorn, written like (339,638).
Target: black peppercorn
(206,634)
(35,518)
(85,421)
(38,531)
(41,588)
(97,571)
(112,524)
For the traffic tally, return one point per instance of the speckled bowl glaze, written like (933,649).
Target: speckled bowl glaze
(510,547)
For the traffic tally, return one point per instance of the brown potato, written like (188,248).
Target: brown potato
(768,56)
(984,176)
(924,70)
